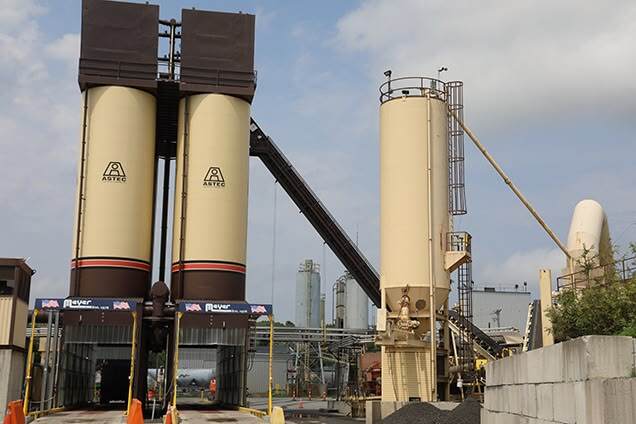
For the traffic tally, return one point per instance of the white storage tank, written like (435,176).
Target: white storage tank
(356,313)
(308,295)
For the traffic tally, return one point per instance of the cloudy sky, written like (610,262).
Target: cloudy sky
(549,89)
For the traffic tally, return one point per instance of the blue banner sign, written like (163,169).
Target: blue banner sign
(86,304)
(225,308)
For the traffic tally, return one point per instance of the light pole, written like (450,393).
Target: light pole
(440,70)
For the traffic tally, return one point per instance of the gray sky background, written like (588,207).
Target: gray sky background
(549,89)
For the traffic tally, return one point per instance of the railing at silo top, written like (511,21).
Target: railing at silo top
(452,93)
(397,88)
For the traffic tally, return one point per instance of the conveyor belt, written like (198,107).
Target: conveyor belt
(316,213)
(478,337)
(533,338)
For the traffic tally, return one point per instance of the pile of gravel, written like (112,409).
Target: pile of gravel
(467,412)
(417,413)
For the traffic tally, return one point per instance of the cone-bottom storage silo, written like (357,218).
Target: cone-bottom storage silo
(210,213)
(114,204)
(414,221)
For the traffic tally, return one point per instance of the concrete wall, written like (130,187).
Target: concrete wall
(588,380)
(11,376)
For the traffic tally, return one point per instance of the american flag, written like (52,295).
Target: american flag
(121,305)
(52,303)
(260,309)
(193,307)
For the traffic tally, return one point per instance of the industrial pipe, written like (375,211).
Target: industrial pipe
(270,370)
(431,272)
(510,184)
(175,366)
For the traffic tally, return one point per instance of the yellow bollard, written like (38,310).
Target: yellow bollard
(29,365)
(278,416)
(132,362)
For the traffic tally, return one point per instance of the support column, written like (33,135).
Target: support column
(545,288)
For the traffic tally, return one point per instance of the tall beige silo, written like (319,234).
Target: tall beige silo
(210,213)
(114,203)
(414,222)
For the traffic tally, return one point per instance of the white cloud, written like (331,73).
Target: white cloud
(65,48)
(39,126)
(520,60)
(13,13)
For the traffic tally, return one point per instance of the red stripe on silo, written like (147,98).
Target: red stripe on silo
(208,266)
(110,263)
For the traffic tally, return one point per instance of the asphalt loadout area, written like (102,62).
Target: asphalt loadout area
(311,412)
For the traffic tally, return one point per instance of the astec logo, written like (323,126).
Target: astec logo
(114,173)
(214,178)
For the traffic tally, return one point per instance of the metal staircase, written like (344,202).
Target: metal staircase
(479,339)
(533,338)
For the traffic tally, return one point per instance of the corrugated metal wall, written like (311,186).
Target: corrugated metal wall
(212,336)
(91,334)
(5,319)
(258,373)
(20,323)
(191,358)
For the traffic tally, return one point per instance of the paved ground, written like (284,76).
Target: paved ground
(218,416)
(296,412)
(287,403)
(83,417)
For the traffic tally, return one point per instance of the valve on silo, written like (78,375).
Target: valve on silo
(404,321)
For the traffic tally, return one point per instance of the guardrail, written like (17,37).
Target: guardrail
(622,270)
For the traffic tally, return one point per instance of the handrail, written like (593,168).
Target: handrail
(412,87)
(625,268)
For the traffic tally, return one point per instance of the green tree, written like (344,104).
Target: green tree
(608,307)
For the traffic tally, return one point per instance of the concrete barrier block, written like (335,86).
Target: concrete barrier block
(372,412)
(530,401)
(598,357)
(518,399)
(545,365)
(491,398)
(539,421)
(490,417)
(492,379)
(521,369)
(589,402)
(564,404)
(633,383)
(619,401)
(545,404)
(500,371)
